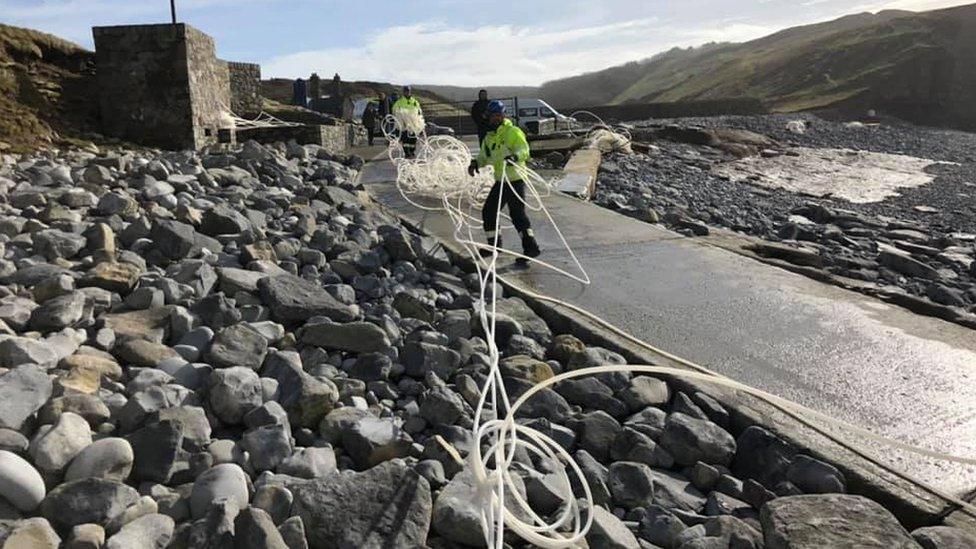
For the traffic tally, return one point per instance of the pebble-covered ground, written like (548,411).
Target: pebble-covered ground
(922,241)
(238,350)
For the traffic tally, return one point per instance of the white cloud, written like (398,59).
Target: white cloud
(909,5)
(922,5)
(432,53)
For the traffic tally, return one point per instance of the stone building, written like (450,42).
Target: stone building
(162,85)
(245,88)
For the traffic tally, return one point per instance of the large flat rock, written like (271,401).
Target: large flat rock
(386,506)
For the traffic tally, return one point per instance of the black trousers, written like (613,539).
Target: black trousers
(409,142)
(516,206)
(482,132)
(371,132)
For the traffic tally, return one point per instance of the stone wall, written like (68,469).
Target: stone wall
(335,139)
(144,87)
(357,135)
(209,87)
(245,88)
(161,85)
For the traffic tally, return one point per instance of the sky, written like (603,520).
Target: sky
(457,42)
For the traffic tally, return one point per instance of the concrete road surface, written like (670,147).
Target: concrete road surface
(876,365)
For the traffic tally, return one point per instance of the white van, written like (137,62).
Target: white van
(532,109)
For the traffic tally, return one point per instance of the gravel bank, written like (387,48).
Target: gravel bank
(922,241)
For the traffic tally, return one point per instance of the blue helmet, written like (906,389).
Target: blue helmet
(495,107)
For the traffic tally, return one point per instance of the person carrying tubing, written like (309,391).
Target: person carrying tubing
(503,146)
(407,104)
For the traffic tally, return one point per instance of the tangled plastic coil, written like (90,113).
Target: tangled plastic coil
(597,134)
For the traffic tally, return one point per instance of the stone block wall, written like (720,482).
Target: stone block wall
(357,135)
(245,88)
(161,85)
(335,139)
(209,87)
(144,84)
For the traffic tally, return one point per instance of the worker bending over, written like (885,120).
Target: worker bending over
(505,143)
(409,105)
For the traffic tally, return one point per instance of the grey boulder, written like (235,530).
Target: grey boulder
(23,391)
(226,481)
(386,506)
(52,450)
(691,440)
(831,520)
(152,531)
(20,483)
(234,392)
(293,300)
(84,501)
(944,537)
(354,337)
(108,458)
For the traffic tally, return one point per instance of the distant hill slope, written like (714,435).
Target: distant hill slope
(469,94)
(280,90)
(917,65)
(46,88)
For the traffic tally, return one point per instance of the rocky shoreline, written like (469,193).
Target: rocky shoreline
(921,242)
(239,349)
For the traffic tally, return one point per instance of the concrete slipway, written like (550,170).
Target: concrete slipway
(876,365)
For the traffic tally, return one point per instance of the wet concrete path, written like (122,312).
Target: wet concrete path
(876,365)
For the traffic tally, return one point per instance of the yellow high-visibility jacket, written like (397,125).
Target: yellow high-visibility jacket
(407,104)
(507,140)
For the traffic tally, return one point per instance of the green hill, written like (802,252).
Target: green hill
(469,94)
(919,65)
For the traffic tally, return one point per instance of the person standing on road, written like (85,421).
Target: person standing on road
(369,120)
(505,145)
(480,116)
(408,105)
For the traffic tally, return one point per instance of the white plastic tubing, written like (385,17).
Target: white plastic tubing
(437,179)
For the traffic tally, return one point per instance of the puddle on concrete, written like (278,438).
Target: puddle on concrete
(856,176)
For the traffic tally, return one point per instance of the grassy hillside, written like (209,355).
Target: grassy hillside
(469,94)
(797,68)
(603,87)
(45,89)
(920,63)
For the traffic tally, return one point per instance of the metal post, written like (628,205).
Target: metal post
(516,113)
(172,10)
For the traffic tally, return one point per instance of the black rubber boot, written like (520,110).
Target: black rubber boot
(485,252)
(529,245)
